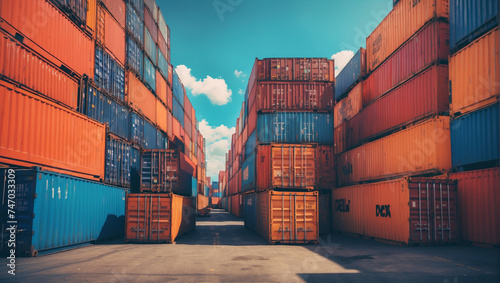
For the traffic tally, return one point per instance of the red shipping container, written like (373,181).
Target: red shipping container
(117,9)
(176,128)
(151,25)
(188,126)
(428,46)
(325,164)
(37,132)
(187,165)
(424,95)
(293,69)
(188,108)
(162,45)
(29,69)
(478,199)
(252,119)
(294,96)
(39,21)
(340,138)
(140,97)
(346,108)
(236,204)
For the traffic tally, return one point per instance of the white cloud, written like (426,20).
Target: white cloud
(239,74)
(240,91)
(341,59)
(218,142)
(215,89)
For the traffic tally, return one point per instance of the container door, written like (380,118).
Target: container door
(445,213)
(282,160)
(306,217)
(282,218)
(304,167)
(137,218)
(159,218)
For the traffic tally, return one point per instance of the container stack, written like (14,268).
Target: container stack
(393,142)
(283,148)
(474,103)
(215,196)
(102,84)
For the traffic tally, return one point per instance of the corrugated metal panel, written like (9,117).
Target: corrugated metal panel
(135,25)
(426,47)
(161,116)
(324,213)
(351,73)
(162,26)
(409,211)
(135,169)
(152,8)
(24,16)
(149,73)
(25,67)
(37,132)
(475,137)
(162,47)
(478,199)
(138,5)
(423,148)
(178,112)
(292,127)
(135,58)
(117,169)
(346,108)
(475,74)
(91,14)
(75,9)
(150,24)
(251,144)
(325,164)
(399,25)
(109,76)
(469,19)
(248,173)
(178,89)
(161,89)
(293,69)
(163,65)
(66,211)
(292,96)
(136,128)
(150,47)
(150,138)
(114,38)
(140,97)
(117,9)
(160,171)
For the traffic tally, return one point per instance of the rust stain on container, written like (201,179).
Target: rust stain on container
(37,132)
(475,74)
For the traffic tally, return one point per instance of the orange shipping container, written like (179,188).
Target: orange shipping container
(401,23)
(478,199)
(114,35)
(91,14)
(409,211)
(423,148)
(161,88)
(325,167)
(161,116)
(117,9)
(201,202)
(139,97)
(475,74)
(37,132)
(236,204)
(283,217)
(349,106)
(39,21)
(29,69)
(158,218)
(170,126)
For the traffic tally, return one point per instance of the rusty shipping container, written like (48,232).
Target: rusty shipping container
(22,65)
(426,47)
(346,108)
(419,149)
(158,218)
(292,69)
(399,25)
(283,217)
(39,21)
(37,132)
(478,199)
(408,210)
(424,95)
(475,74)
(140,97)
(294,96)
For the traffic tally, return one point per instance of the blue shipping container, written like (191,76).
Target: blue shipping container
(135,25)
(134,56)
(163,65)
(248,173)
(251,212)
(150,141)
(178,89)
(103,109)
(56,211)
(137,129)
(469,19)
(139,5)
(251,144)
(150,46)
(194,187)
(109,75)
(295,127)
(76,8)
(352,73)
(215,185)
(178,112)
(118,162)
(135,169)
(149,74)
(207,191)
(161,140)
(474,137)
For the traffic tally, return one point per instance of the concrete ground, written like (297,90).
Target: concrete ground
(222,250)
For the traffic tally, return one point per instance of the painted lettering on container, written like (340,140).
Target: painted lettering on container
(383,210)
(342,205)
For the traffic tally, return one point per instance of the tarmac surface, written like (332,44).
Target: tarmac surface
(223,250)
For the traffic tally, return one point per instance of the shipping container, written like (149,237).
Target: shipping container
(135,57)
(138,5)
(160,172)
(20,64)
(163,66)
(117,10)
(428,46)
(118,163)
(325,167)
(475,75)
(215,202)
(295,127)
(236,205)
(399,25)
(250,145)
(26,16)
(248,177)
(135,169)
(150,136)
(139,97)
(187,165)
(158,218)
(353,72)
(423,96)
(178,89)
(475,137)
(163,28)
(135,25)
(420,149)
(469,19)
(162,48)
(136,128)
(113,35)
(283,217)
(161,89)
(348,107)
(161,116)
(51,136)
(409,211)
(478,199)
(152,9)
(150,47)
(150,23)
(178,112)
(149,74)
(75,9)
(325,212)
(293,96)
(55,211)
(292,69)
(201,202)
(109,75)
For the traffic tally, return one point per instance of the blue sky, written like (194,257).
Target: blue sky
(217,38)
